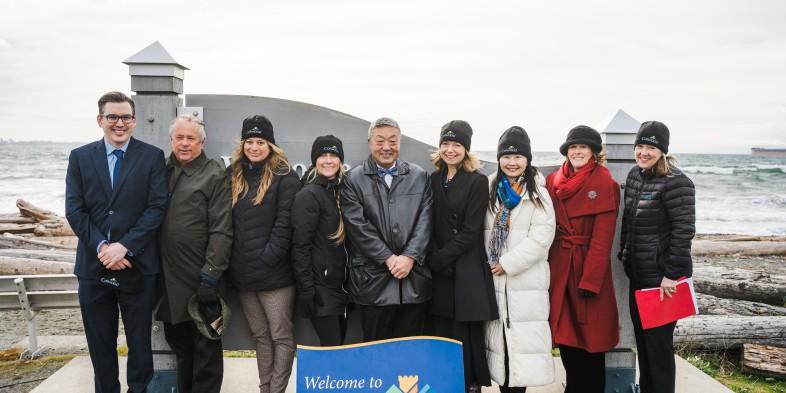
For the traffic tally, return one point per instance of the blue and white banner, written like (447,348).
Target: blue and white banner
(404,365)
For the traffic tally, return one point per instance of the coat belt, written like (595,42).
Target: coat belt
(577,254)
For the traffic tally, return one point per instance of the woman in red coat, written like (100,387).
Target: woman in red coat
(583,315)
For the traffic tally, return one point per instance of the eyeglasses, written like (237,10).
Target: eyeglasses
(112,118)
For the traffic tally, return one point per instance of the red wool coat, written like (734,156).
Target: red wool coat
(579,259)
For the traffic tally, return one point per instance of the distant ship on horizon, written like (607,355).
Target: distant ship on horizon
(768,151)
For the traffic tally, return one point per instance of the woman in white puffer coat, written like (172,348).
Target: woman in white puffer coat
(519,230)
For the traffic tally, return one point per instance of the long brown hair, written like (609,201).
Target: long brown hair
(276,163)
(309,177)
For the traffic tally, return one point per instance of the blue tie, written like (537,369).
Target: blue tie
(116,172)
(392,172)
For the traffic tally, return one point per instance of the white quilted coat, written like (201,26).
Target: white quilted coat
(523,295)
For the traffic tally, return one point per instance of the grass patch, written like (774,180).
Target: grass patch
(724,367)
(24,375)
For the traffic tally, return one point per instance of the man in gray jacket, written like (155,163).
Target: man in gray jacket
(196,240)
(387,210)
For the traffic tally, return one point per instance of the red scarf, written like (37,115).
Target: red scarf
(568,181)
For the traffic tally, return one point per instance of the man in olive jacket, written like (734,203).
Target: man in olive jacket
(196,240)
(386,204)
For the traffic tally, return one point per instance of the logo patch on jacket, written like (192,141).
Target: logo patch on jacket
(592,194)
(646,196)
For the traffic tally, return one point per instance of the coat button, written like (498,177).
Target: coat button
(395,230)
(392,200)
(111,212)
(454,230)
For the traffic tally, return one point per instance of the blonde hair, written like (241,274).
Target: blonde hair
(276,163)
(665,165)
(470,163)
(309,177)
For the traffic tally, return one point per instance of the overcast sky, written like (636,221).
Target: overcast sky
(713,71)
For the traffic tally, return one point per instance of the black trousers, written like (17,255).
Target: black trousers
(200,361)
(382,322)
(472,337)
(100,307)
(331,330)
(585,371)
(655,348)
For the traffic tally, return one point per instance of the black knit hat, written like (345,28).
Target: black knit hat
(326,144)
(582,135)
(457,131)
(258,126)
(514,141)
(654,133)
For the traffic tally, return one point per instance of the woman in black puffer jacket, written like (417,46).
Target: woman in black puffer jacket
(263,187)
(657,231)
(319,256)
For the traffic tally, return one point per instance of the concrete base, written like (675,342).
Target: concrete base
(240,375)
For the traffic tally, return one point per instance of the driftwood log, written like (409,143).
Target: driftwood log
(15,219)
(48,222)
(748,246)
(711,305)
(16,266)
(727,331)
(755,286)
(764,360)
(46,255)
(17,228)
(8,240)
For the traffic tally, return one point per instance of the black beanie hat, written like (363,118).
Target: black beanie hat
(258,126)
(582,135)
(326,144)
(653,133)
(514,141)
(457,131)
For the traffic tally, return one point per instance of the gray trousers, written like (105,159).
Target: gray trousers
(269,315)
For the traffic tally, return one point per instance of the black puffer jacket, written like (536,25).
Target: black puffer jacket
(320,264)
(262,233)
(382,222)
(658,227)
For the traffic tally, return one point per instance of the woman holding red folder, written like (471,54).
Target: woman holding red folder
(583,315)
(657,231)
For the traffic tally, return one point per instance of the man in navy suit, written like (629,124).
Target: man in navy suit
(116,197)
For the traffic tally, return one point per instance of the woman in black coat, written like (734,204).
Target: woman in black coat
(263,187)
(319,256)
(657,230)
(463,289)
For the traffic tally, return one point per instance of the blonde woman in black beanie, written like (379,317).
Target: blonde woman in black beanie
(319,255)
(462,288)
(658,226)
(263,187)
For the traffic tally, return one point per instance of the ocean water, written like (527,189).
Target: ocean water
(738,194)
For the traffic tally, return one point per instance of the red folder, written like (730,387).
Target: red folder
(654,312)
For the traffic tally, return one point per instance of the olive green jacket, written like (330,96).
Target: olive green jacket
(196,236)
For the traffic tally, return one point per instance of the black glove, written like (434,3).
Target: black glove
(585,294)
(306,300)
(207,293)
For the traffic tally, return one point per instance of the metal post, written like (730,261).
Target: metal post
(32,350)
(618,135)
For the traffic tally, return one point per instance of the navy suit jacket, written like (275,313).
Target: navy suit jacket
(133,210)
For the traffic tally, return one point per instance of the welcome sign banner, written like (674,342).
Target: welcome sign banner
(405,365)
